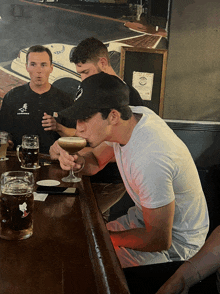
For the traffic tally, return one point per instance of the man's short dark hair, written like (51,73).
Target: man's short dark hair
(125,112)
(39,48)
(90,49)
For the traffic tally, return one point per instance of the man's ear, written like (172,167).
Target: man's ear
(114,117)
(103,63)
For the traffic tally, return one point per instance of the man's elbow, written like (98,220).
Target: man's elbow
(163,242)
(158,245)
(166,243)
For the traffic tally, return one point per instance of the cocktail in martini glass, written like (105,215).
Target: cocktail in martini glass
(72,145)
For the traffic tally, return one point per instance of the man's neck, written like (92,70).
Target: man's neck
(109,70)
(123,133)
(40,89)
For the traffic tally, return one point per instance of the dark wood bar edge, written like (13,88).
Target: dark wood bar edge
(108,273)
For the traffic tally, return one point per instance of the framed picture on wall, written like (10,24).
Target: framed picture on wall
(145,70)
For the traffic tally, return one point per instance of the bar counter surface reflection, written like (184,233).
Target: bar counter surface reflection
(70,244)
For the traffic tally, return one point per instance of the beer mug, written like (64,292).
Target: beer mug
(16,205)
(3,145)
(30,151)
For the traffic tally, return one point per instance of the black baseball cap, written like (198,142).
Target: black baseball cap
(99,91)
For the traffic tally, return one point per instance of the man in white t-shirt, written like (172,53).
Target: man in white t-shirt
(170,220)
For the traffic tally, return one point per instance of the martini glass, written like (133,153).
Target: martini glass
(72,145)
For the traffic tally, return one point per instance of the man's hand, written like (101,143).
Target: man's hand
(175,285)
(10,145)
(68,162)
(55,151)
(49,123)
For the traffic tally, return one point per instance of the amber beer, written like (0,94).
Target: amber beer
(3,145)
(3,150)
(16,205)
(72,144)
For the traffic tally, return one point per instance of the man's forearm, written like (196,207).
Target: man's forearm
(207,260)
(91,166)
(64,131)
(139,239)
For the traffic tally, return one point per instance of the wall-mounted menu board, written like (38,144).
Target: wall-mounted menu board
(145,70)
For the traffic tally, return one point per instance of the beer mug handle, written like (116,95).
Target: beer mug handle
(18,149)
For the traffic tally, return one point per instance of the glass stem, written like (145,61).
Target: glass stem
(72,173)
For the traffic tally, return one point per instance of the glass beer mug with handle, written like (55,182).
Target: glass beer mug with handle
(30,152)
(16,205)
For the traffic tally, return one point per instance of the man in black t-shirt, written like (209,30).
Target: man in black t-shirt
(29,109)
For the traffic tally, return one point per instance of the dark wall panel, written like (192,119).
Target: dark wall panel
(193,72)
(202,140)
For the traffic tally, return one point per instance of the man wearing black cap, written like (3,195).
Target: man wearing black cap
(170,219)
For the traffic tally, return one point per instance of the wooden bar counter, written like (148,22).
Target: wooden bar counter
(70,251)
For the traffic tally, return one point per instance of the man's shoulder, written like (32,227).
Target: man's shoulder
(17,92)
(60,93)
(24,87)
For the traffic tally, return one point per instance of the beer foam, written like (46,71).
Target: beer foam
(16,187)
(27,146)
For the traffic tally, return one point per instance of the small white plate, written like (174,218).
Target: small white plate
(48,183)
